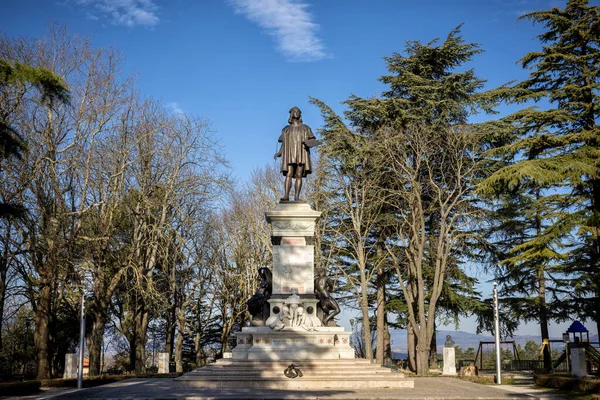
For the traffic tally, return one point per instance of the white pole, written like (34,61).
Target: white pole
(81,343)
(497,334)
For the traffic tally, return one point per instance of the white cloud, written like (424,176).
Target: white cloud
(289,22)
(123,12)
(174,107)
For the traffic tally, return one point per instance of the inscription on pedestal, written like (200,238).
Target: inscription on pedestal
(293,268)
(293,241)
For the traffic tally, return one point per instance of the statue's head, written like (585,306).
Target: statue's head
(295,113)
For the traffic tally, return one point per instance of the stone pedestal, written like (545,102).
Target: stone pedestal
(293,343)
(163,363)
(70,366)
(449,361)
(292,235)
(578,365)
(293,330)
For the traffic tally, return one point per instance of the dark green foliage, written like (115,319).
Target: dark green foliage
(548,192)
(424,88)
(423,116)
(569,383)
(23,388)
(49,85)
(15,80)
(531,351)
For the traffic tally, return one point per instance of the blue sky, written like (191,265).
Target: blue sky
(242,64)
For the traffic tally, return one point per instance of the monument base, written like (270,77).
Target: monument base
(264,343)
(307,375)
(449,361)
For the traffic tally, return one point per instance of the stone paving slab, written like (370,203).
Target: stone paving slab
(425,389)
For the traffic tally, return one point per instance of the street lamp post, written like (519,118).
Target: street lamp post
(497,334)
(81,342)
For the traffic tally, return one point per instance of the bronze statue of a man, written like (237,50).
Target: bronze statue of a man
(296,140)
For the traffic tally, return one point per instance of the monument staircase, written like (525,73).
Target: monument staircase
(304,374)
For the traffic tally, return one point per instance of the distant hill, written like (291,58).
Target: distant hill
(466,340)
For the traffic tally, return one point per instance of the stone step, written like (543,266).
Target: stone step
(279,368)
(332,367)
(317,374)
(227,363)
(283,360)
(523,381)
(279,372)
(296,383)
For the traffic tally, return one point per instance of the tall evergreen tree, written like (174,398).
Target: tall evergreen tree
(15,80)
(556,158)
(426,90)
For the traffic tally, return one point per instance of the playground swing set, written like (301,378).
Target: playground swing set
(577,330)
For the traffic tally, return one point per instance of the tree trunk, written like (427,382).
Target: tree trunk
(364,305)
(597,294)
(3,274)
(2,297)
(433,349)
(381,331)
(411,348)
(171,315)
(198,350)
(170,334)
(542,308)
(141,332)
(387,346)
(423,360)
(544,319)
(423,344)
(96,341)
(41,335)
(132,342)
(179,342)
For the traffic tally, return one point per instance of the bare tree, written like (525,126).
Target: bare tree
(55,174)
(355,204)
(434,172)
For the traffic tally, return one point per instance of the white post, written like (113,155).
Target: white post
(497,334)
(81,342)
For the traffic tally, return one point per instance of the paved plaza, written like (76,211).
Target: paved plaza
(425,388)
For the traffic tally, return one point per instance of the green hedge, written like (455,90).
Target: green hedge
(19,388)
(87,381)
(569,383)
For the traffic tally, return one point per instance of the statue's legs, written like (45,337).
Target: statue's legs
(288,182)
(299,173)
(331,305)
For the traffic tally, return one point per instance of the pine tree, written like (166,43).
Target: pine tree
(430,100)
(15,80)
(556,159)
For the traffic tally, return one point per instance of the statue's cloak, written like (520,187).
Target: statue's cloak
(293,150)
